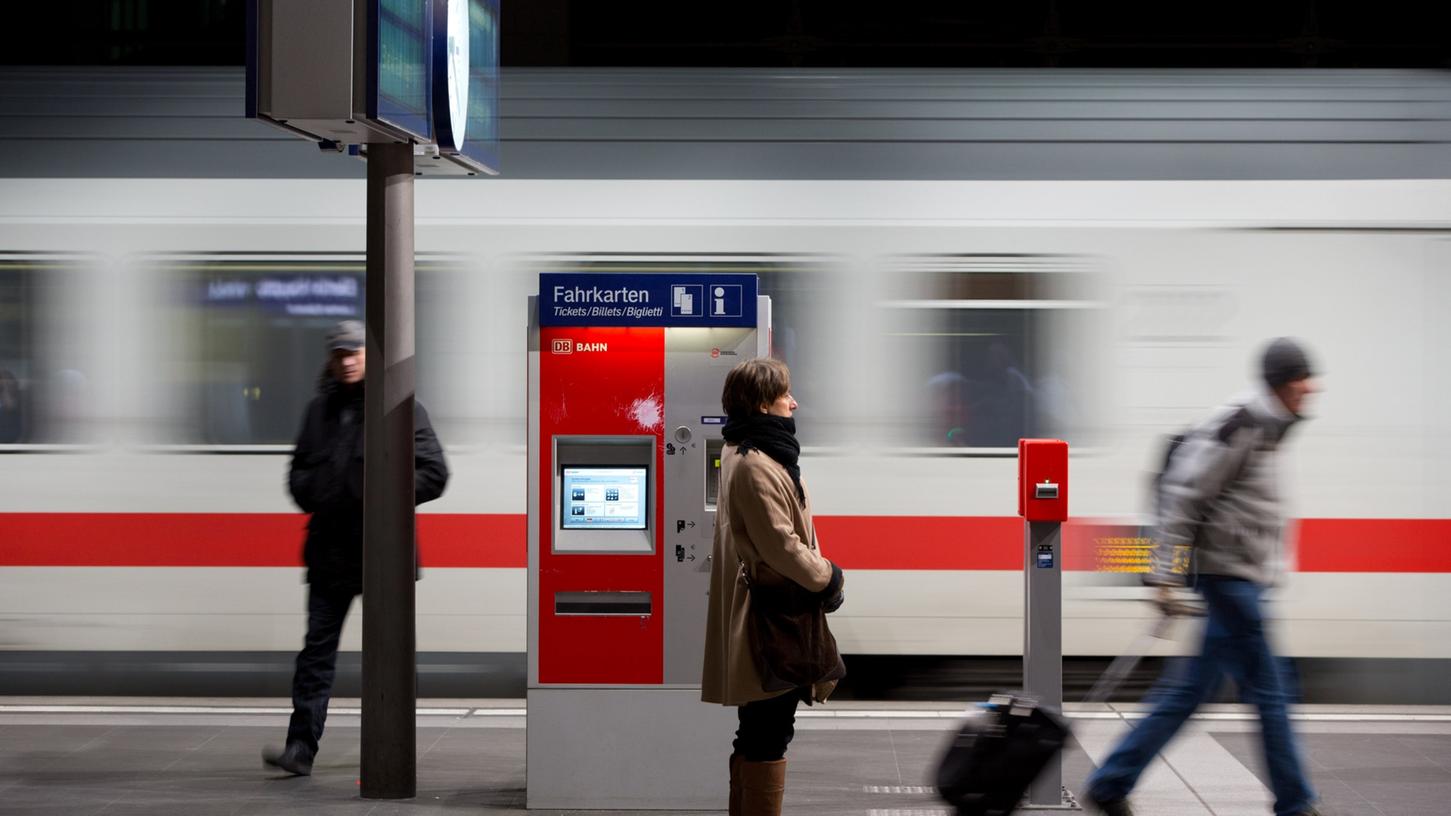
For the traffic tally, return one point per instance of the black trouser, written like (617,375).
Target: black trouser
(767,727)
(312,682)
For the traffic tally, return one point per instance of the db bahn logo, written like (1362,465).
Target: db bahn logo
(563,346)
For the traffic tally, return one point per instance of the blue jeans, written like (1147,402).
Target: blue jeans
(312,682)
(1235,643)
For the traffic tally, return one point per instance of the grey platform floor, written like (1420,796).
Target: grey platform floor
(130,756)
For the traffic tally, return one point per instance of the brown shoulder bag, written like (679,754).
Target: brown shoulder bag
(790,641)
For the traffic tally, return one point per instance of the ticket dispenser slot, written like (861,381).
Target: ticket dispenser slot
(602,603)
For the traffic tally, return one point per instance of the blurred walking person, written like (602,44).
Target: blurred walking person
(1219,498)
(326,480)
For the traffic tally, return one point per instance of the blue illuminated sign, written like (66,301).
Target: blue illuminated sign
(687,299)
(336,296)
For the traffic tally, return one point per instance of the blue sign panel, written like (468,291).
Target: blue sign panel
(1045,556)
(576,299)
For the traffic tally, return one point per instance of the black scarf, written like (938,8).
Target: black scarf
(772,435)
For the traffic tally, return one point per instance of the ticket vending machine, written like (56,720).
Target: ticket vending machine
(625,378)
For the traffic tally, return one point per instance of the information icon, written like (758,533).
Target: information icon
(725,300)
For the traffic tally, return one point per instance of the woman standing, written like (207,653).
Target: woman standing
(762,525)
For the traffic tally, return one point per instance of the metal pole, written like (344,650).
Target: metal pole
(390,760)
(1043,641)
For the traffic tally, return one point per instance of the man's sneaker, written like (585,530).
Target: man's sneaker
(294,759)
(1117,807)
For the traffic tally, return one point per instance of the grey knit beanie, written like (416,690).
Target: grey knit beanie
(1285,361)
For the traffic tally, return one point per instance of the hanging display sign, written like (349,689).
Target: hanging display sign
(429,76)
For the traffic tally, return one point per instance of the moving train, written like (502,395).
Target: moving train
(161,333)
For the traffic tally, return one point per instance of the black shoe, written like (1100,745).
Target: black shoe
(294,759)
(1117,807)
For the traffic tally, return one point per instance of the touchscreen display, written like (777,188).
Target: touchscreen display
(603,498)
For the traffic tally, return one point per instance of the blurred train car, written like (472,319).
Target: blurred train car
(957,259)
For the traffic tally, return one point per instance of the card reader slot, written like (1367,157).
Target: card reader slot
(714,449)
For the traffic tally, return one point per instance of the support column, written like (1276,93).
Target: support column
(1043,640)
(390,759)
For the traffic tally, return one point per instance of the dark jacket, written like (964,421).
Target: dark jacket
(326,480)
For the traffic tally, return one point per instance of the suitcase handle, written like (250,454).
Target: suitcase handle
(1163,624)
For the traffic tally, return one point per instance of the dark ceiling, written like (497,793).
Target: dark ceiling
(811,33)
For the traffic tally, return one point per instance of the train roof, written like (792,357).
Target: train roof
(1058,124)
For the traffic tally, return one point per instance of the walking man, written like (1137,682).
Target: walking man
(1219,497)
(326,480)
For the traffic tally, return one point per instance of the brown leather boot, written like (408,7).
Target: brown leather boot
(735,805)
(763,785)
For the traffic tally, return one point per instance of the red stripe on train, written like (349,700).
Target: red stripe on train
(498,541)
(233,540)
(1374,545)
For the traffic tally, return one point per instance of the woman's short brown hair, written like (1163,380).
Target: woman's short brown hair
(753,383)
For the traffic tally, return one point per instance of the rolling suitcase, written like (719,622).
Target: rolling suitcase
(1001,747)
(996,754)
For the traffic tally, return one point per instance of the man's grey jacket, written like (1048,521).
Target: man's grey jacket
(1223,485)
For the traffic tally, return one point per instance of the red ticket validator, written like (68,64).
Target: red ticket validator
(1043,479)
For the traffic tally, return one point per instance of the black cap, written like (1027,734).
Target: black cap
(1285,361)
(345,335)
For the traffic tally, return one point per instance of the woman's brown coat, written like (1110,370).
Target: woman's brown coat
(759,518)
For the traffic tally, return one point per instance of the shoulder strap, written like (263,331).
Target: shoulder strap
(1242,418)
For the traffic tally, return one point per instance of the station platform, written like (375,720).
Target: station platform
(202,756)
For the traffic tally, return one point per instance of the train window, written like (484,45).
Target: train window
(46,393)
(247,344)
(994,348)
(802,302)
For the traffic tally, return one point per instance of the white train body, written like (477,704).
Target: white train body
(1183,281)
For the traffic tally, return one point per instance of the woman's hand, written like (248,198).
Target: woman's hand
(834,595)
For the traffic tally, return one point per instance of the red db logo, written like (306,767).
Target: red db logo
(561,346)
(714,353)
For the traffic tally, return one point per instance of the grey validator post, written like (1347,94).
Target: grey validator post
(1043,504)
(1043,640)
